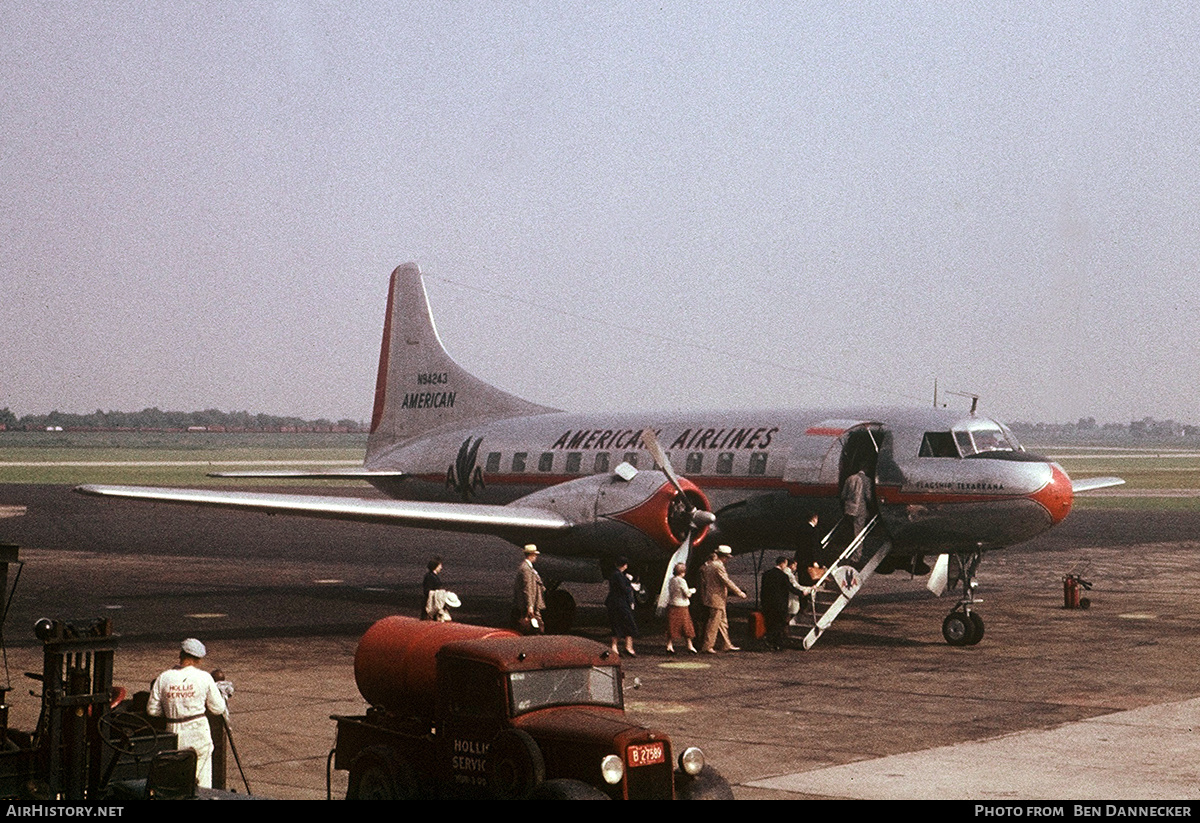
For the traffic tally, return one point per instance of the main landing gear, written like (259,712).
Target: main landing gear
(963,626)
(559,613)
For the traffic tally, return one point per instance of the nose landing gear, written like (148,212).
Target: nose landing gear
(963,626)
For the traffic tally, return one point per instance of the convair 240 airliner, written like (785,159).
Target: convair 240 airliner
(458,454)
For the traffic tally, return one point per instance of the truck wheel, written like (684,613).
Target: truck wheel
(515,766)
(708,785)
(379,773)
(564,789)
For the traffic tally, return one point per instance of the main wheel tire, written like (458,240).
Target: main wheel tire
(564,789)
(976,629)
(515,766)
(560,611)
(380,773)
(957,629)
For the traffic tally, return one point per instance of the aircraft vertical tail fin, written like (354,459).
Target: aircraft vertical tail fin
(419,388)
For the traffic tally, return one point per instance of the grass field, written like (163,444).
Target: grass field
(166,458)
(1155,478)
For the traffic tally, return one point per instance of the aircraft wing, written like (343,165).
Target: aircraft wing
(1088,484)
(522,522)
(356,473)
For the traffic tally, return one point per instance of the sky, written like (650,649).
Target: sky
(616,205)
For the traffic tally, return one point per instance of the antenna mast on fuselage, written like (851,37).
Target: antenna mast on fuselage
(974,399)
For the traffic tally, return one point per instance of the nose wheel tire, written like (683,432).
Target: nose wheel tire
(962,629)
(977,635)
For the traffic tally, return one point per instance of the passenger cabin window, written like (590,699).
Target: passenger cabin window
(601,464)
(725,463)
(758,463)
(938,444)
(695,463)
(519,461)
(574,459)
(493,462)
(546,462)
(631,458)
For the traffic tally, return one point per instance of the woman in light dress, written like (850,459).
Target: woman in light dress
(679,615)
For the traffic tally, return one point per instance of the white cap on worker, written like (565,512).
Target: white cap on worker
(530,548)
(724,550)
(193,648)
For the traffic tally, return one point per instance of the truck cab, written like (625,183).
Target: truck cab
(504,716)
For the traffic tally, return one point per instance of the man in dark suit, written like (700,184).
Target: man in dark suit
(808,543)
(776,587)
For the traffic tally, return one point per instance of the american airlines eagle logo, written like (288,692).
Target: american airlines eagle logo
(463,476)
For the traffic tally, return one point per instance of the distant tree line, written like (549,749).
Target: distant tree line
(1087,427)
(155,419)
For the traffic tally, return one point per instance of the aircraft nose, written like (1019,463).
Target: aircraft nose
(1056,496)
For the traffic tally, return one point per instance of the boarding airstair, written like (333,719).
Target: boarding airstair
(840,582)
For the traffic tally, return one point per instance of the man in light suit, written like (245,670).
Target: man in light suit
(857,499)
(529,594)
(715,588)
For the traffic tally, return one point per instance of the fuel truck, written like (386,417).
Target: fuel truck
(459,710)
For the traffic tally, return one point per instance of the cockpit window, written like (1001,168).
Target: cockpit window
(938,444)
(982,436)
(969,439)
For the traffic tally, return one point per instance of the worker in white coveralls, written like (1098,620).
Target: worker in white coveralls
(183,694)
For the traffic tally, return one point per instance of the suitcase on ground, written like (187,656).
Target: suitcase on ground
(758,625)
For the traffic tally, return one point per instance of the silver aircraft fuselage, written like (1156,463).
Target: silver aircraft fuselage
(944,481)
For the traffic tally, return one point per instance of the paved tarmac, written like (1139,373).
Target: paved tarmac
(1053,704)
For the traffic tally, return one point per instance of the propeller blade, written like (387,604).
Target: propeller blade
(660,457)
(680,556)
(701,520)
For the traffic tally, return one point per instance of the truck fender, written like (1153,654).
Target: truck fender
(515,766)
(567,789)
(708,785)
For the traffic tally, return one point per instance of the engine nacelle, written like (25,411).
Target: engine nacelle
(643,517)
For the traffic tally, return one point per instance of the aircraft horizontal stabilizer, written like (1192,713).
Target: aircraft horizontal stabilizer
(356,473)
(527,522)
(1089,484)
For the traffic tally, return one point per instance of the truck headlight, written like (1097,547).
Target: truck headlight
(692,760)
(612,769)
